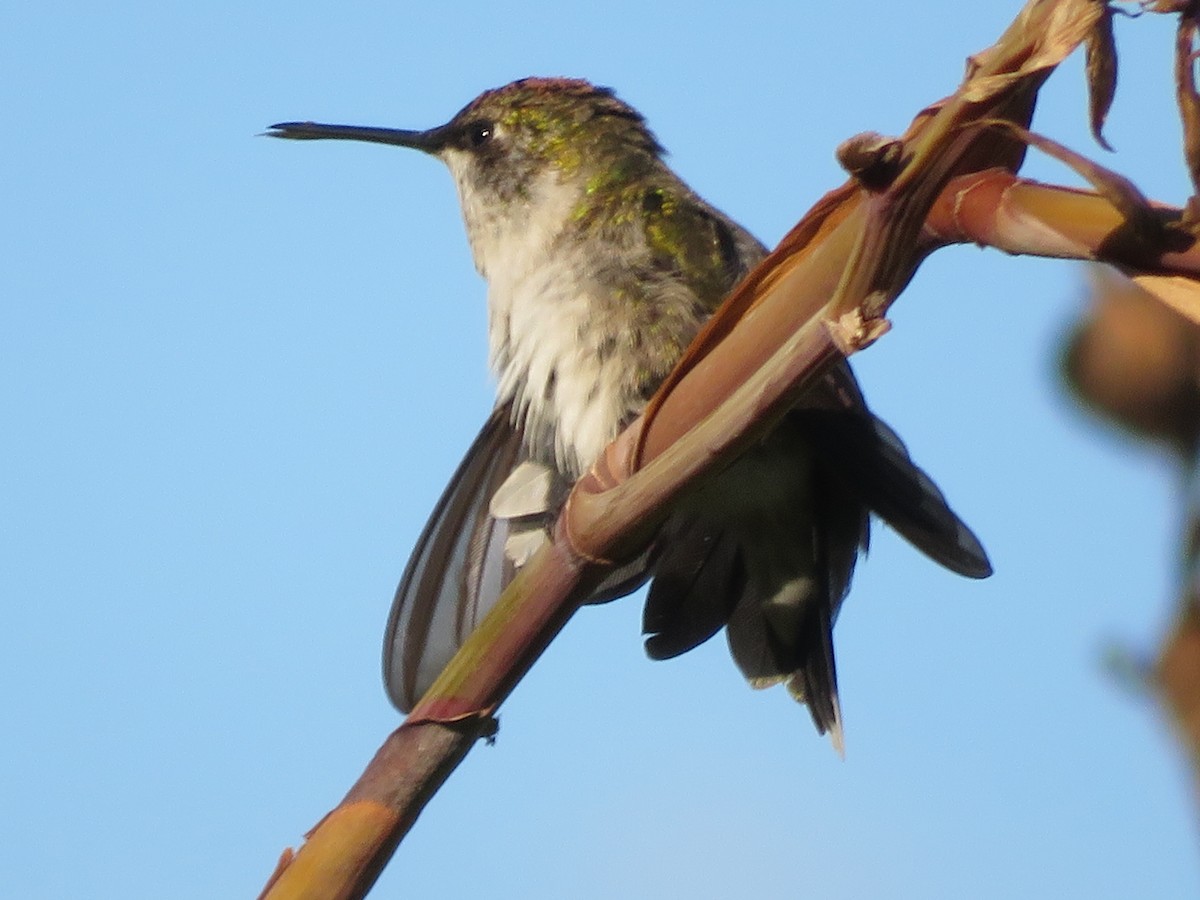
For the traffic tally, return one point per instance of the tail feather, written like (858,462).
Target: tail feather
(803,659)
(815,682)
(797,575)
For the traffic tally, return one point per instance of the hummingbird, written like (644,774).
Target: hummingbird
(601,266)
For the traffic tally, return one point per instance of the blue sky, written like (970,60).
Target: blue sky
(235,373)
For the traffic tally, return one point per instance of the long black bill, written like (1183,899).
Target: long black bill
(430,141)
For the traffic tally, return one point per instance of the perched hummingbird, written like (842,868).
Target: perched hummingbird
(601,266)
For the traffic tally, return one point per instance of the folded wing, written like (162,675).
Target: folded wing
(456,570)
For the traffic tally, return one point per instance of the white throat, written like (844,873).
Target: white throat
(567,397)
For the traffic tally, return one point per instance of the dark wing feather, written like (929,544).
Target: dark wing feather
(457,569)
(868,457)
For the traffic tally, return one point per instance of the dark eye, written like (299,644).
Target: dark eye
(479,133)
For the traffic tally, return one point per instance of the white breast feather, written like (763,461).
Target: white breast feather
(538,311)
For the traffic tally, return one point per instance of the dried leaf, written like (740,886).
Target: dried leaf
(1050,30)
(1180,293)
(1132,359)
(1185,93)
(1101,74)
(1165,6)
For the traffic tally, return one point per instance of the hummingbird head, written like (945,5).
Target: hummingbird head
(507,140)
(529,154)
